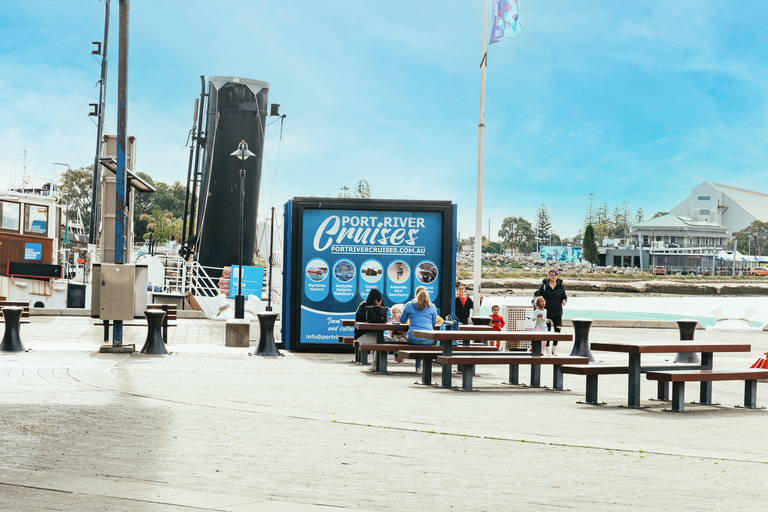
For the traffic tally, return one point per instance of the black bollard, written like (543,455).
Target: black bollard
(581,338)
(267,345)
(154,343)
(687,328)
(11,338)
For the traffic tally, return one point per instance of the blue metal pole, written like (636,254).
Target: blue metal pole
(121,175)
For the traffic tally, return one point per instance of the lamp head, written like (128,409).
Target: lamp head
(242,151)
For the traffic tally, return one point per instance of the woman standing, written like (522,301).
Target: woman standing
(464,304)
(553,291)
(422,315)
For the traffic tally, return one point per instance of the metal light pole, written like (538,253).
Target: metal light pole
(242,153)
(271,241)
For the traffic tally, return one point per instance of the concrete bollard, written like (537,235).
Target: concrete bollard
(238,333)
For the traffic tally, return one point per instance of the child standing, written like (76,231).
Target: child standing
(540,320)
(497,322)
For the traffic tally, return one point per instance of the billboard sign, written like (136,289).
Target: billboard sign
(561,253)
(347,250)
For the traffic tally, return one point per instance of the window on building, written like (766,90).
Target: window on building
(703,212)
(35,219)
(9,215)
(705,198)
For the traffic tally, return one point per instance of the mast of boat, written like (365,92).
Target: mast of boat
(271,241)
(101,50)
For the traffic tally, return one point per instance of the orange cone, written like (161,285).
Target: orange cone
(761,363)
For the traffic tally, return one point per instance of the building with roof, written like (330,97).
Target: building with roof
(734,208)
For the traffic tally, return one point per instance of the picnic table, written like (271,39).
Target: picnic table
(381,356)
(446,338)
(635,350)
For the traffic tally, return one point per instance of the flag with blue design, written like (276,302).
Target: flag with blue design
(505,21)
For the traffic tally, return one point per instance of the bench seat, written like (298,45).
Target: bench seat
(470,361)
(427,355)
(592,371)
(678,379)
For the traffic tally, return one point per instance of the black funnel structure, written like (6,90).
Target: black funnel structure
(237,110)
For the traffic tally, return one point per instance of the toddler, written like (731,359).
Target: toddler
(497,322)
(540,319)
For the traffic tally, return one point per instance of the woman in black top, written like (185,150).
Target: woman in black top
(375,298)
(553,291)
(464,304)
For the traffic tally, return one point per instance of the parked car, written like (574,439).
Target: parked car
(758,271)
(659,270)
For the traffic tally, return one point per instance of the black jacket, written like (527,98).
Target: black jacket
(554,297)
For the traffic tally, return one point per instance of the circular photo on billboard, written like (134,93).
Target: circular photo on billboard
(426,272)
(344,270)
(371,271)
(317,269)
(398,272)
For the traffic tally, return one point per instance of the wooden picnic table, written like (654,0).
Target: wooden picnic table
(635,349)
(381,357)
(446,338)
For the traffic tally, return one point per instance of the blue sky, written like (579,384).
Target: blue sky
(631,101)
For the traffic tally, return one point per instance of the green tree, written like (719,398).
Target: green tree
(362,190)
(493,248)
(639,216)
(589,246)
(516,234)
(161,225)
(543,225)
(75,190)
(753,238)
(168,198)
(660,214)
(591,215)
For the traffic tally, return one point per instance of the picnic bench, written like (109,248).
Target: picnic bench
(448,338)
(169,320)
(679,378)
(24,304)
(514,361)
(592,371)
(431,352)
(396,347)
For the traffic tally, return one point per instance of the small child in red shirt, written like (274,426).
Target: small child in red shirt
(497,322)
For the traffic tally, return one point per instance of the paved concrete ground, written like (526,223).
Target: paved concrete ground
(214,428)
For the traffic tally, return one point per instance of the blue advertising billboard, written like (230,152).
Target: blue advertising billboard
(561,253)
(344,250)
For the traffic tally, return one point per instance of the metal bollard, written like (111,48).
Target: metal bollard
(154,343)
(11,338)
(687,327)
(581,338)
(267,345)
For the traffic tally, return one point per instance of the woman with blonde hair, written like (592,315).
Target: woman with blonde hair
(421,315)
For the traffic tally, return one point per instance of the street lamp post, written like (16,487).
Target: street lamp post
(242,153)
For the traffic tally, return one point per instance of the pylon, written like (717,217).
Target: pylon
(761,363)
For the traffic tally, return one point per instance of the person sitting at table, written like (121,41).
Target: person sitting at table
(376,299)
(421,314)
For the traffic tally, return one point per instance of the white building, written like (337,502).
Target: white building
(731,207)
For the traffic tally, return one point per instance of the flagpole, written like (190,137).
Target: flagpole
(480,154)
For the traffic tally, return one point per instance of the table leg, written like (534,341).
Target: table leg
(705,391)
(750,394)
(662,390)
(446,376)
(678,396)
(557,377)
(514,374)
(426,372)
(634,380)
(466,377)
(535,375)
(381,362)
(591,397)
